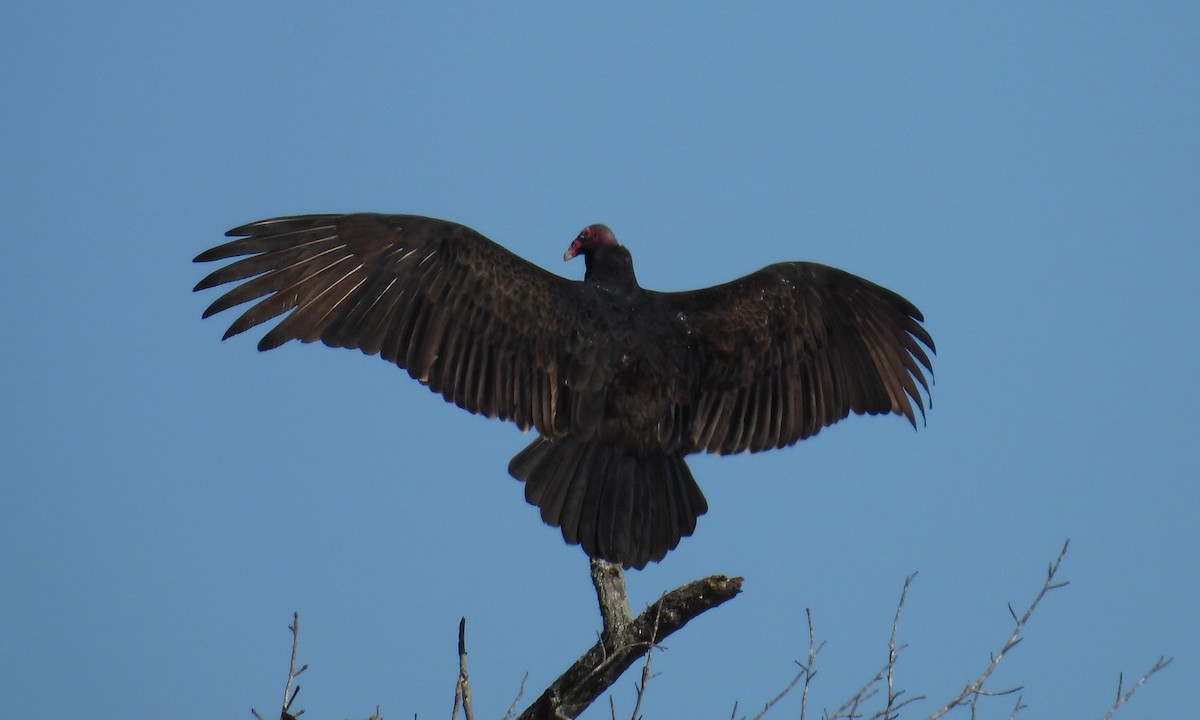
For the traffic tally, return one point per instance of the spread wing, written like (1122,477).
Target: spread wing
(464,316)
(794,347)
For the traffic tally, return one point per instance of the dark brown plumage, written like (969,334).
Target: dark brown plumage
(619,382)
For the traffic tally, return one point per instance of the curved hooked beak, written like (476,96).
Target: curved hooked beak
(573,250)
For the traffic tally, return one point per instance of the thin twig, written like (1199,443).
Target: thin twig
(809,673)
(1161,663)
(289,695)
(791,684)
(641,686)
(885,675)
(849,709)
(520,691)
(295,628)
(462,688)
(893,653)
(974,688)
(806,672)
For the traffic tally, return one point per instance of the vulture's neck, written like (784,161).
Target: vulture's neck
(611,267)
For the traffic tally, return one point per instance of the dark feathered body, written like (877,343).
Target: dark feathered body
(620,382)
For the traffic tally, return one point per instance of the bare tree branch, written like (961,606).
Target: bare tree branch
(1018,707)
(849,709)
(889,710)
(791,684)
(974,689)
(624,638)
(885,675)
(289,696)
(1161,663)
(622,642)
(971,694)
(609,581)
(520,692)
(805,672)
(641,686)
(809,673)
(462,688)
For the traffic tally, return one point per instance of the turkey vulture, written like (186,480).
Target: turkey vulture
(619,382)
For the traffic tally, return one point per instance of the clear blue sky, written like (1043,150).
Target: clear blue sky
(1027,173)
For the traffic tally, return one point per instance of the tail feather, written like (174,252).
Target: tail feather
(618,506)
(614,519)
(574,480)
(590,489)
(555,494)
(522,466)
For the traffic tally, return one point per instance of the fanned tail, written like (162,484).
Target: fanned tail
(617,506)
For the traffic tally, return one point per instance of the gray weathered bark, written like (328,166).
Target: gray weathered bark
(624,638)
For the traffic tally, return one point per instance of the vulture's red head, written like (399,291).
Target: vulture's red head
(591,237)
